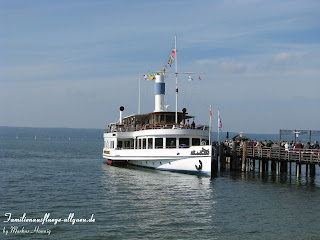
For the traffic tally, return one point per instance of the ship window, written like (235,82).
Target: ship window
(144,143)
(159,142)
(195,141)
(127,144)
(170,119)
(150,143)
(111,144)
(119,144)
(171,142)
(161,118)
(157,119)
(140,143)
(184,142)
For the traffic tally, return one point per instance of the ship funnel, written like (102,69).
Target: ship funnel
(159,92)
(121,117)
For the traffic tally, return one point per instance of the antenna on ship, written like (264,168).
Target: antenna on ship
(176,72)
(139,96)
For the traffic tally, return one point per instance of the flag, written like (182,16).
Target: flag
(219,122)
(199,78)
(210,113)
(190,78)
(145,76)
(173,54)
(151,77)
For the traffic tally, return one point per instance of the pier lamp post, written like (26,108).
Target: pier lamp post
(296,136)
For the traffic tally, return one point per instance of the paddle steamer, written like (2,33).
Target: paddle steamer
(160,139)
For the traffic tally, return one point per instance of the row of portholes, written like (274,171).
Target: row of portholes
(153,163)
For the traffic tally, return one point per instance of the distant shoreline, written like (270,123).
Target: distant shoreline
(97,134)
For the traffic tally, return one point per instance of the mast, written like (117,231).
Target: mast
(139,97)
(176,72)
(210,126)
(219,126)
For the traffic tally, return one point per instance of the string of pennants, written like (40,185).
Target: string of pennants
(163,71)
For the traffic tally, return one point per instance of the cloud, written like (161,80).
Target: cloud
(283,58)
(224,65)
(279,62)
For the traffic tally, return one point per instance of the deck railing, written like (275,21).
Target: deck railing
(282,154)
(131,128)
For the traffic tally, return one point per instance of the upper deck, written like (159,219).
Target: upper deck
(155,120)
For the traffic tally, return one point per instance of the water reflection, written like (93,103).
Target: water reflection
(150,199)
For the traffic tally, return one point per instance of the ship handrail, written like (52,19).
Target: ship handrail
(132,128)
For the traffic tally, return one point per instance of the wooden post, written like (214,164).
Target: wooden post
(289,162)
(310,136)
(244,156)
(312,170)
(277,168)
(266,165)
(307,165)
(283,166)
(222,158)
(214,161)
(290,165)
(273,165)
(228,162)
(233,164)
(252,164)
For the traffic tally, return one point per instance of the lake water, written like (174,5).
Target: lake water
(53,178)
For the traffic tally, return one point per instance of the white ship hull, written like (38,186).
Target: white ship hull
(196,159)
(186,165)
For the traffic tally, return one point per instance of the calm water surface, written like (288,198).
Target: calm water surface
(69,176)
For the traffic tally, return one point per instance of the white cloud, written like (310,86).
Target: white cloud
(224,65)
(283,58)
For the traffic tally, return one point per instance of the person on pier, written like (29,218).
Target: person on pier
(298,145)
(307,145)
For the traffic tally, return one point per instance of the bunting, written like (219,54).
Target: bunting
(151,77)
(163,70)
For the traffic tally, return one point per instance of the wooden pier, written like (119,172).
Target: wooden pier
(245,157)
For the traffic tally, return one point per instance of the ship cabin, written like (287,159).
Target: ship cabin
(129,132)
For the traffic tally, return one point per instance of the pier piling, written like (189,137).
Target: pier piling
(244,156)
(222,157)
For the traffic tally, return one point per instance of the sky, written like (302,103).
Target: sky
(73,63)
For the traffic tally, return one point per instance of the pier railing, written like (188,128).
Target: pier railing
(281,154)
